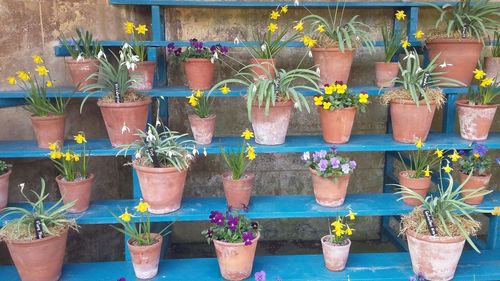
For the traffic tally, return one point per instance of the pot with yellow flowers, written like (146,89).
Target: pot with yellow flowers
(143,71)
(474,172)
(5,171)
(201,120)
(337,244)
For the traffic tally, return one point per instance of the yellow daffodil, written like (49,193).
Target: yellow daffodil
(405,43)
(126,216)
(309,42)
(53,146)
(272,27)
(299,26)
(80,138)
(251,152)
(330,89)
(479,74)
(455,156)
(486,82)
(55,155)
(327,105)
(247,134)
(129,27)
(419,143)
(42,70)
(12,80)
(477,155)
(198,93)
(336,224)
(67,156)
(141,29)
(349,231)
(439,153)
(321,28)
(363,98)
(339,232)
(37,59)
(351,215)
(193,101)
(225,90)
(341,89)
(447,168)
(275,15)
(419,34)
(400,15)
(142,207)
(23,75)
(76,157)
(49,84)
(318,100)
(427,172)
(284,9)
(496,211)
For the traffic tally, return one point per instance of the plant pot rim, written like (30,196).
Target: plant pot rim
(59,179)
(74,61)
(405,173)
(323,241)
(334,49)
(146,62)
(48,117)
(197,60)
(316,174)
(37,241)
(209,117)
(159,170)
(411,102)
(287,103)
(9,171)
(227,176)
(158,237)
(147,100)
(435,239)
(465,103)
(453,41)
(386,63)
(222,243)
(350,108)
(473,176)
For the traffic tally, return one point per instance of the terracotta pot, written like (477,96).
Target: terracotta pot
(235,259)
(335,256)
(385,72)
(162,188)
(420,186)
(39,260)
(434,257)
(474,183)
(199,73)
(475,120)
(409,121)
(48,129)
(492,66)
(271,129)
(329,192)
(203,128)
(333,64)
(81,70)
(238,191)
(122,120)
(144,74)
(78,191)
(146,259)
(267,64)
(4,189)
(460,55)
(337,124)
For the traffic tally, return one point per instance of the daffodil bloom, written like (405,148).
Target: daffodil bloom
(37,59)
(80,138)
(477,155)
(400,15)
(405,43)
(341,89)
(479,74)
(142,207)
(53,146)
(198,93)
(339,232)
(309,42)
(272,27)
(363,98)
(225,90)
(299,26)
(129,27)
(23,75)
(193,101)
(496,211)
(318,100)
(321,28)
(55,155)
(247,134)
(439,153)
(336,224)
(141,29)
(419,34)
(455,156)
(49,84)
(12,80)
(447,168)
(126,216)
(351,215)
(284,9)
(42,70)
(250,152)
(76,157)
(419,143)
(486,82)
(275,15)
(327,105)
(329,89)
(349,231)
(427,172)
(67,156)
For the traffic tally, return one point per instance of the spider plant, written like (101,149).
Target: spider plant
(392,42)
(495,45)
(269,44)
(4,167)
(85,47)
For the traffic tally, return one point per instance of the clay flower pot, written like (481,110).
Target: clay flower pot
(199,73)
(385,72)
(144,74)
(434,257)
(146,259)
(267,64)
(329,192)
(460,56)
(492,66)
(122,120)
(78,191)
(4,189)
(474,183)
(337,124)
(335,255)
(235,259)
(48,129)
(420,186)
(271,129)
(162,188)
(238,191)
(409,121)
(203,128)
(41,259)
(81,70)
(333,64)
(475,120)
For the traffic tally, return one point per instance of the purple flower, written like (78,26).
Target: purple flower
(232,222)
(333,149)
(461,152)
(217,218)
(498,160)
(212,216)
(480,149)
(322,154)
(316,156)
(306,156)
(248,237)
(323,164)
(255,225)
(353,164)
(345,168)
(178,51)
(210,233)
(219,48)
(170,47)
(335,162)
(260,276)
(198,45)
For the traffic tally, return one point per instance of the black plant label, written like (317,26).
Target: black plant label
(118,97)
(38,228)
(152,153)
(430,222)
(425,79)
(464,31)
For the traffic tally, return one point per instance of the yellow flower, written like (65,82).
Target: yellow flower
(299,26)
(321,28)
(80,138)
(400,15)
(447,169)
(67,156)
(23,75)
(250,152)
(351,215)
(330,89)
(193,101)
(327,105)
(53,146)
(272,27)
(318,100)
(129,27)
(427,172)
(477,155)
(349,231)
(37,59)
(339,231)
(496,211)
(247,134)
(284,9)
(141,29)
(275,15)
(55,155)
(11,80)
(76,157)
(336,224)
(225,90)
(341,88)
(49,84)
(125,216)
(419,34)
(363,98)
(479,74)
(439,153)
(198,93)
(309,42)
(42,70)
(405,44)
(455,156)
(419,143)
(142,207)
(486,82)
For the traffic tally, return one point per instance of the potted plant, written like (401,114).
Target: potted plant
(477,112)
(83,62)
(458,40)
(5,171)
(143,71)
(337,107)
(387,71)
(124,109)
(492,64)
(237,182)
(75,184)
(47,115)
(336,245)
(144,246)
(235,239)
(330,175)
(36,238)
(201,120)
(161,162)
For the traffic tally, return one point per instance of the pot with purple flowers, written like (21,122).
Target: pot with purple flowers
(235,239)
(475,173)
(336,245)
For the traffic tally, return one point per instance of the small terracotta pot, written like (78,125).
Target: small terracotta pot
(144,74)
(333,64)
(420,186)
(4,189)
(122,120)
(329,192)
(492,66)
(337,124)
(162,188)
(81,70)
(48,129)
(267,64)
(475,120)
(78,191)
(271,129)
(199,73)
(474,183)
(460,55)
(335,256)
(146,259)
(434,257)
(235,259)
(238,191)
(203,128)
(385,72)
(41,259)
(409,121)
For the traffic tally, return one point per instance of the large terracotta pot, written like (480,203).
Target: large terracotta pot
(411,122)
(39,260)
(48,129)
(329,192)
(333,64)
(267,64)
(77,191)
(335,256)
(385,72)
(235,259)
(238,191)
(146,259)
(203,128)
(122,120)
(460,55)
(420,186)
(337,124)
(81,70)
(4,189)
(162,188)
(474,183)
(492,66)
(144,74)
(436,258)
(271,129)
(475,120)
(199,73)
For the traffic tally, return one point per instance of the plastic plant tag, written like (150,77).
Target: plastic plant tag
(152,153)
(463,31)
(38,228)
(118,97)
(425,79)
(430,222)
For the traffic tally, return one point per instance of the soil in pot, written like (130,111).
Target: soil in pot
(235,259)
(409,121)
(329,192)
(337,125)
(238,192)
(335,256)
(419,185)
(203,128)
(77,191)
(144,74)
(81,70)
(199,73)
(4,189)
(474,183)
(385,72)
(475,120)
(333,64)
(48,129)
(267,64)
(271,129)
(145,259)
(492,66)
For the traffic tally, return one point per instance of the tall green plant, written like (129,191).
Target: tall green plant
(84,47)
(392,42)
(485,90)
(495,44)
(236,160)
(4,167)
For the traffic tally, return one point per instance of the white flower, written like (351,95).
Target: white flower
(263,47)
(296,105)
(444,64)
(236,41)
(357,38)
(125,46)
(122,56)
(189,156)
(214,57)
(195,151)
(205,151)
(150,137)
(419,69)
(296,2)
(130,65)
(21,186)
(137,155)
(318,71)
(310,54)
(101,54)
(254,88)
(306,156)
(79,58)
(158,123)
(411,55)
(125,128)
